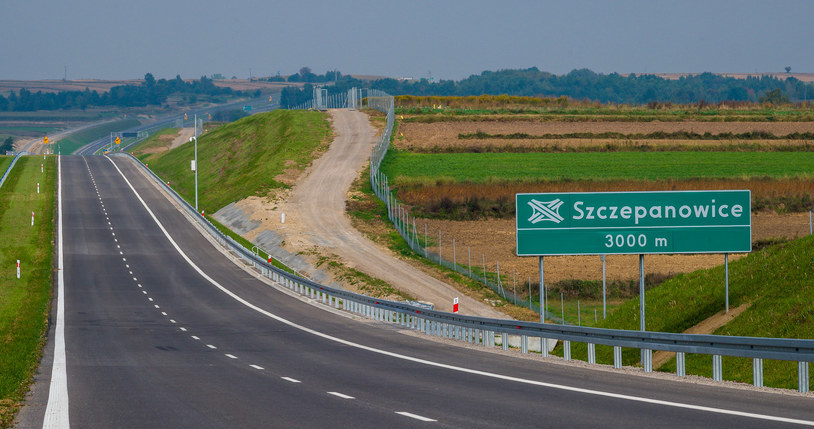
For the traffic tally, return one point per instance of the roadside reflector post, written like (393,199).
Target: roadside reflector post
(282,217)
(32,218)
(38,188)
(455,305)
(18,268)
(42,169)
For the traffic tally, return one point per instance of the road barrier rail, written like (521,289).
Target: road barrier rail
(10,166)
(491,332)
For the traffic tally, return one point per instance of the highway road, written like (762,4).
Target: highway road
(158,332)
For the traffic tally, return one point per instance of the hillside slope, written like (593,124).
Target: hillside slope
(243,158)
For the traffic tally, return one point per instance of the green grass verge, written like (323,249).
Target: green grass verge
(778,283)
(243,158)
(418,168)
(78,139)
(5,161)
(24,302)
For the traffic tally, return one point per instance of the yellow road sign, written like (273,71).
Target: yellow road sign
(118,140)
(185,116)
(45,139)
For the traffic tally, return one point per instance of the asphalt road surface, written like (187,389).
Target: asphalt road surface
(151,342)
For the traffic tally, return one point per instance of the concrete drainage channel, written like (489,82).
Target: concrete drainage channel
(525,335)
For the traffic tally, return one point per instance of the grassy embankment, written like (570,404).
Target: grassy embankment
(81,138)
(776,281)
(24,302)
(240,159)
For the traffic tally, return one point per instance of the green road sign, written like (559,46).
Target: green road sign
(598,223)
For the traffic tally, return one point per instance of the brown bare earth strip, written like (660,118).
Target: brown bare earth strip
(707,326)
(443,134)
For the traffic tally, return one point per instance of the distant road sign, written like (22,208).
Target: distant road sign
(247,107)
(45,139)
(598,223)
(118,140)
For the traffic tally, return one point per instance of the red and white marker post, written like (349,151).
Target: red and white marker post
(32,218)
(455,305)
(38,188)
(18,268)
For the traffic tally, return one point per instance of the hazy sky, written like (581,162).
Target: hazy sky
(111,39)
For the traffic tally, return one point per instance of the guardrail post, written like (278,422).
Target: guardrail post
(504,340)
(477,336)
(324,298)
(617,357)
(566,350)
(458,332)
(524,344)
(491,340)
(591,353)
(717,368)
(647,360)
(680,364)
(802,377)
(757,372)
(544,347)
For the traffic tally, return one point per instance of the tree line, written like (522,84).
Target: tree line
(150,92)
(584,84)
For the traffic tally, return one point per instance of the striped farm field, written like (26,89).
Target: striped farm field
(429,169)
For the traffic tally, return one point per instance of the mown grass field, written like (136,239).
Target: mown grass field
(24,302)
(407,168)
(244,158)
(76,140)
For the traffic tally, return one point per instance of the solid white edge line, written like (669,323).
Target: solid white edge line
(447,366)
(341,395)
(230,356)
(293,380)
(256,367)
(56,412)
(416,416)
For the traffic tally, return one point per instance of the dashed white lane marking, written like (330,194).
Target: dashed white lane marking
(257,367)
(164,314)
(156,306)
(416,416)
(341,395)
(230,356)
(151,300)
(135,280)
(450,367)
(211,346)
(185,329)
(145,292)
(293,380)
(198,339)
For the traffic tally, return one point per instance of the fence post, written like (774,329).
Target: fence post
(566,350)
(680,364)
(591,353)
(617,357)
(717,369)
(757,372)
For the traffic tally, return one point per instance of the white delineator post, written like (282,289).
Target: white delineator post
(38,188)
(18,268)
(32,218)
(282,217)
(455,305)
(42,170)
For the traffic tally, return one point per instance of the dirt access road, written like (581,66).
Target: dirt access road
(315,216)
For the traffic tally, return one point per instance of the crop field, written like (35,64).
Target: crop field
(409,168)
(457,167)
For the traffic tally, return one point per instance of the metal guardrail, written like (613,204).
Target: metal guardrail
(480,330)
(8,170)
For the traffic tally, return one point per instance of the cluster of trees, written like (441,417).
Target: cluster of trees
(149,92)
(585,84)
(7,145)
(306,75)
